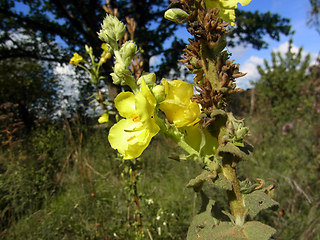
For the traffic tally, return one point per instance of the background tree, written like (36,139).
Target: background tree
(75,23)
(314,18)
(284,130)
(29,85)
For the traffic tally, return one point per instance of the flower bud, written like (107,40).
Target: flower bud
(119,69)
(88,49)
(149,78)
(159,93)
(128,51)
(112,30)
(175,14)
(116,80)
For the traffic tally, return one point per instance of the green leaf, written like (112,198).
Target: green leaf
(219,231)
(257,201)
(202,224)
(227,231)
(242,153)
(258,231)
(222,182)
(197,182)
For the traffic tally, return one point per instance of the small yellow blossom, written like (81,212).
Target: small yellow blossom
(227,8)
(106,54)
(104,118)
(104,47)
(177,106)
(131,135)
(75,59)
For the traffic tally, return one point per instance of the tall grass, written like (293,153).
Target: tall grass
(63,182)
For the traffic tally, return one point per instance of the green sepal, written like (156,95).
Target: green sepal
(256,230)
(217,112)
(258,201)
(241,153)
(247,187)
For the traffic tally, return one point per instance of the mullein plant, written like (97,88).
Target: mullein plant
(196,120)
(93,68)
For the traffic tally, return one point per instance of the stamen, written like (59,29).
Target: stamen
(136,118)
(130,138)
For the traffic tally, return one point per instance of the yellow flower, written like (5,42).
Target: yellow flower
(201,140)
(104,118)
(105,54)
(227,8)
(75,59)
(177,106)
(131,135)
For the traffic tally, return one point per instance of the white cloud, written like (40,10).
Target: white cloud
(154,60)
(238,51)
(249,67)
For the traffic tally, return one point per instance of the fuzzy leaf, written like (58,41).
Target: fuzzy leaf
(202,224)
(258,201)
(222,182)
(256,230)
(227,231)
(242,153)
(197,182)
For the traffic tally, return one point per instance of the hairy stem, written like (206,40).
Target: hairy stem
(234,196)
(136,200)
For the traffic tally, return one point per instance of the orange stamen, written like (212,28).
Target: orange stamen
(136,118)
(130,138)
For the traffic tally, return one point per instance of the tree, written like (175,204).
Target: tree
(315,14)
(285,134)
(57,28)
(28,84)
(280,87)
(77,22)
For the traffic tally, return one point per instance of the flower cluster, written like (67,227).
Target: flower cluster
(140,107)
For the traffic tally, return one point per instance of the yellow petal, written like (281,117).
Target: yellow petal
(228,15)
(104,118)
(231,4)
(177,106)
(145,107)
(178,90)
(245,2)
(75,59)
(129,138)
(125,103)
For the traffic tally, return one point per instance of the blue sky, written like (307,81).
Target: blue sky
(308,38)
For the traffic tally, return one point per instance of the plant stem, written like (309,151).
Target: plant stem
(136,200)
(234,196)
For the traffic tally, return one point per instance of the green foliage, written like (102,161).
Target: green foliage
(77,22)
(26,83)
(284,128)
(315,14)
(66,184)
(253,26)
(281,84)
